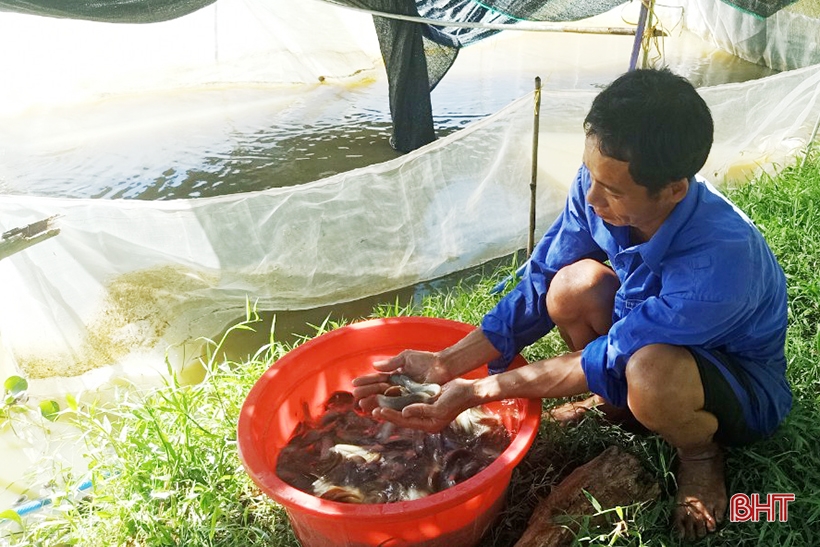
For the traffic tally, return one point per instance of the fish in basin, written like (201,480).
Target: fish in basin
(347,456)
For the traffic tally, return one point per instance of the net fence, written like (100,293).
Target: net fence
(110,11)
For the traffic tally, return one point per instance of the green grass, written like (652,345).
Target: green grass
(166,470)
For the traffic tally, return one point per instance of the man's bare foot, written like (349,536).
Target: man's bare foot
(574,411)
(701,498)
(571,413)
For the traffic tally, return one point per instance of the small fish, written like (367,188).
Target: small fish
(476,421)
(405,391)
(351,451)
(334,492)
(347,456)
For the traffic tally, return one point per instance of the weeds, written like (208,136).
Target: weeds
(165,469)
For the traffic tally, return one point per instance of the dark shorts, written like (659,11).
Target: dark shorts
(722,401)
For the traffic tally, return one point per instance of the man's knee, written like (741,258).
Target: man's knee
(579,287)
(660,379)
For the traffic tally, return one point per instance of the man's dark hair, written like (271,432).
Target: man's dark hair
(656,121)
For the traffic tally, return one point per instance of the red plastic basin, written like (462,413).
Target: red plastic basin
(307,376)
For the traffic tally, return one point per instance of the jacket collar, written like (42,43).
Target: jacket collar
(654,250)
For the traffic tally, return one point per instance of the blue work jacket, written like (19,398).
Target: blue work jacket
(706,279)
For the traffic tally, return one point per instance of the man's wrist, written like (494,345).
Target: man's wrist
(470,352)
(446,363)
(485,390)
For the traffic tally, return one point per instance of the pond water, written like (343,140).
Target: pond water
(290,326)
(208,141)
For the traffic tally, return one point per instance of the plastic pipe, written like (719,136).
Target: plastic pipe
(639,30)
(36,505)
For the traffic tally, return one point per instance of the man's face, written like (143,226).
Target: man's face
(620,201)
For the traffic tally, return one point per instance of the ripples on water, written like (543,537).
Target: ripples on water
(268,159)
(194,143)
(127,148)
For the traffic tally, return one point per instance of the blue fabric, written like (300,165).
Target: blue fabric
(706,279)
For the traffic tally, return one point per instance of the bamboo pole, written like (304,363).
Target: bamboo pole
(534,177)
(650,12)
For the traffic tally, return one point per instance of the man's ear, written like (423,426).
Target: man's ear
(678,189)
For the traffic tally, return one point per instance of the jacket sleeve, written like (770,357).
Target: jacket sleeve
(669,320)
(521,317)
(715,307)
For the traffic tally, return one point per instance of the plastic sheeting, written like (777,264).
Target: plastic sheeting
(466,17)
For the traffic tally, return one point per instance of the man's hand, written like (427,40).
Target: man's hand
(456,396)
(420,366)
(425,367)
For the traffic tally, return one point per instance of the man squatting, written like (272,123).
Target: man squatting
(671,303)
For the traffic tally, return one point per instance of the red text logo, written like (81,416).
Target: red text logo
(743,508)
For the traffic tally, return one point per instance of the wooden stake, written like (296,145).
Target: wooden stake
(650,11)
(534,177)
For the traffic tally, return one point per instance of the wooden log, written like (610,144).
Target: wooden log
(614,478)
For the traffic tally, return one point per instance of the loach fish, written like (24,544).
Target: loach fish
(347,456)
(404,391)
